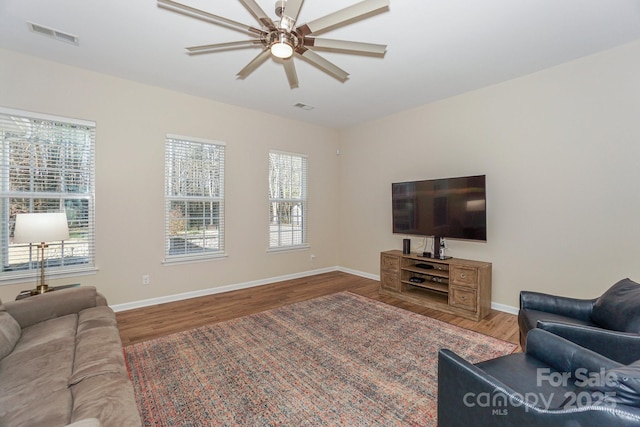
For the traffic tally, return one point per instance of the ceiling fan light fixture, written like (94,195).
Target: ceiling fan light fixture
(284,38)
(282,48)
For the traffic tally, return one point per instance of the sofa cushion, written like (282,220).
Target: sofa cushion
(618,308)
(43,333)
(39,365)
(621,385)
(107,397)
(87,422)
(98,346)
(54,410)
(9,332)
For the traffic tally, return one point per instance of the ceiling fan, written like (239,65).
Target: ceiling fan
(283,39)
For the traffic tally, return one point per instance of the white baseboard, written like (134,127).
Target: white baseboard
(217,290)
(358,273)
(506,308)
(260,282)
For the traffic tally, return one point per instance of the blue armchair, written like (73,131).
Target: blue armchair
(609,325)
(554,383)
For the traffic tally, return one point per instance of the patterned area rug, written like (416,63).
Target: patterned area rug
(339,360)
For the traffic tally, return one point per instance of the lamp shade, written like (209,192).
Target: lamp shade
(41,227)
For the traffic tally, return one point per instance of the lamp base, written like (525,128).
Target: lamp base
(41,289)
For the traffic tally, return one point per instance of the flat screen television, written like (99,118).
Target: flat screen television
(452,207)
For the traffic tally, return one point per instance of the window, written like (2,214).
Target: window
(47,166)
(287,200)
(194,198)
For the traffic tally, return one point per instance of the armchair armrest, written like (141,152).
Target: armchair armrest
(623,347)
(564,306)
(460,384)
(468,396)
(38,308)
(564,355)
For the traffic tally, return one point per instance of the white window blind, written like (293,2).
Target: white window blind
(47,166)
(287,200)
(194,198)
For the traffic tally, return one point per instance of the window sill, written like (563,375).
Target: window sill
(16,278)
(191,259)
(289,249)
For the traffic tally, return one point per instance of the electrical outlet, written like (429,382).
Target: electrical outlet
(146,279)
(312,257)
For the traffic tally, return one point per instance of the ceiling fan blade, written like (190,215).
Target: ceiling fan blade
(206,16)
(343,16)
(347,46)
(208,48)
(253,64)
(290,13)
(323,64)
(290,70)
(258,13)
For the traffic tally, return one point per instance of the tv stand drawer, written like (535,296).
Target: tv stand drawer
(389,263)
(464,276)
(464,298)
(390,281)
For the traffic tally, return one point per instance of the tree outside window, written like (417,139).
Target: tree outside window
(287,200)
(194,195)
(47,166)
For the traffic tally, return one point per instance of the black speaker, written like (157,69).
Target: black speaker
(406,246)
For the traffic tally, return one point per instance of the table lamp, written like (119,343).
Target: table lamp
(41,228)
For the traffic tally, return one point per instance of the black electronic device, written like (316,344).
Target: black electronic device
(424,266)
(415,279)
(406,246)
(454,208)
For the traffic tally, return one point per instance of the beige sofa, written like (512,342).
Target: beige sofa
(61,362)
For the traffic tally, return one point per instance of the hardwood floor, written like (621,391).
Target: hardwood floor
(163,319)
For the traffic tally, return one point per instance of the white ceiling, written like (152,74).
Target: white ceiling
(436,48)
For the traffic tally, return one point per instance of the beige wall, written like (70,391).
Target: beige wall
(561,151)
(132,121)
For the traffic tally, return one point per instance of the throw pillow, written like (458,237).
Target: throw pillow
(9,332)
(618,309)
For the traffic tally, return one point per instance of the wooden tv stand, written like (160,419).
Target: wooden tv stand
(456,286)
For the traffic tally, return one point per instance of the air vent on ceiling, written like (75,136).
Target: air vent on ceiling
(302,106)
(50,32)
